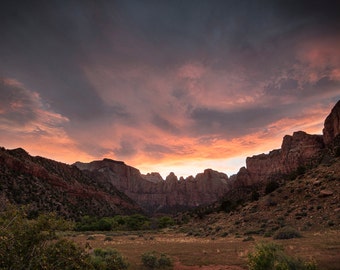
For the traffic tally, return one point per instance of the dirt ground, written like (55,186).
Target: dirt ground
(179,266)
(228,253)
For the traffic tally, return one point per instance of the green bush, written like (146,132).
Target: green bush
(270,256)
(108,259)
(31,243)
(286,233)
(137,222)
(63,254)
(165,221)
(116,223)
(88,223)
(164,261)
(151,261)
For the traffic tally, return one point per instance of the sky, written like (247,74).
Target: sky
(165,86)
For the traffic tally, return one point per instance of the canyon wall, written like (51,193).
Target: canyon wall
(155,194)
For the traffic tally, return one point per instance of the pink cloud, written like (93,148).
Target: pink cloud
(318,58)
(41,132)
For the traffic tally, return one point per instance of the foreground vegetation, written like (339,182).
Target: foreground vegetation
(48,242)
(270,256)
(123,223)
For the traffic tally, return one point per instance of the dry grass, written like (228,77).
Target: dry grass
(324,248)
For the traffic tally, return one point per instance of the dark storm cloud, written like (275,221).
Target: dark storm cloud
(291,87)
(18,106)
(44,44)
(126,149)
(230,124)
(157,150)
(165,125)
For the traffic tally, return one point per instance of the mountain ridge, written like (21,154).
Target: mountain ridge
(47,185)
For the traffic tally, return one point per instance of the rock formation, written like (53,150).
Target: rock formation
(155,194)
(332,125)
(297,151)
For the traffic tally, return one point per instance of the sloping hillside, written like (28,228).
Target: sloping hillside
(47,185)
(309,202)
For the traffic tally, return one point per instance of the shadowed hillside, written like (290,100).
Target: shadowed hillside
(47,185)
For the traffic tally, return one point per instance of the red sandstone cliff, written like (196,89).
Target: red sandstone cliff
(332,125)
(157,195)
(299,150)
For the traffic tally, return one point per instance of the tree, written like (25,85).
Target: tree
(31,243)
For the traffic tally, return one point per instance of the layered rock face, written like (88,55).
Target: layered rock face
(332,125)
(157,195)
(299,150)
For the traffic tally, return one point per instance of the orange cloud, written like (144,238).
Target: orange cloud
(318,58)
(197,154)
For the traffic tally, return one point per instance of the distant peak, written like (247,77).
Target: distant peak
(19,151)
(113,161)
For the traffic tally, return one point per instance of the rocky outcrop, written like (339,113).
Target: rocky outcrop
(155,194)
(297,151)
(332,125)
(47,185)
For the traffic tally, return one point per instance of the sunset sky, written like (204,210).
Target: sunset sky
(167,86)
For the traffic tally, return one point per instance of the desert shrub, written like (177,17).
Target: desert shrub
(151,261)
(330,223)
(108,238)
(298,172)
(165,221)
(164,261)
(137,222)
(224,234)
(132,223)
(108,259)
(271,186)
(88,223)
(63,254)
(228,205)
(286,233)
(270,256)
